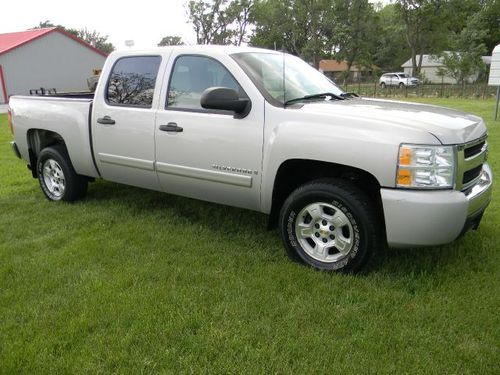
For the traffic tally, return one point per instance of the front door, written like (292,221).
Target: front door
(209,155)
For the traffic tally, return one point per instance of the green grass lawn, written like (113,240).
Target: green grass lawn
(130,280)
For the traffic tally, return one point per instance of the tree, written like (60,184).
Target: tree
(491,21)
(307,28)
(220,21)
(358,20)
(240,11)
(391,49)
(425,29)
(94,38)
(468,47)
(171,41)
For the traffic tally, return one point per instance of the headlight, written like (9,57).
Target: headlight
(426,167)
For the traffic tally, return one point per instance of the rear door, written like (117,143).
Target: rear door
(124,122)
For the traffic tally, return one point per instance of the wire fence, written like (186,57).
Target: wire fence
(373,89)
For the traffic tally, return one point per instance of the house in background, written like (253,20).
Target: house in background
(430,69)
(336,70)
(48,58)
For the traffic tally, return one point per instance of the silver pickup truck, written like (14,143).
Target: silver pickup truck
(341,176)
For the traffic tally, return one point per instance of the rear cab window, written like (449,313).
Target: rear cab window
(132,81)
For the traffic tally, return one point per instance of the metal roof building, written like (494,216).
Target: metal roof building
(49,58)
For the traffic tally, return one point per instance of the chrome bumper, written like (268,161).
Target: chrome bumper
(479,195)
(428,218)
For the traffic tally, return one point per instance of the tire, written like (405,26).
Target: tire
(382,85)
(401,85)
(338,213)
(57,177)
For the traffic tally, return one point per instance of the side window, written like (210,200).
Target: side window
(191,75)
(132,81)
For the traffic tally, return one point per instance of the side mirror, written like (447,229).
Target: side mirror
(225,99)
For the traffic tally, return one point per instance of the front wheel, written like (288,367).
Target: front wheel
(330,225)
(57,177)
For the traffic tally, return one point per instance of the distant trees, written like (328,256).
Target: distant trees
(220,21)
(94,38)
(304,28)
(359,23)
(467,47)
(171,41)
(424,27)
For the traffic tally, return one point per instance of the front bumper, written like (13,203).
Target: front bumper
(427,218)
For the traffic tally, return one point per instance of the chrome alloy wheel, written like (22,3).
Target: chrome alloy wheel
(324,232)
(53,177)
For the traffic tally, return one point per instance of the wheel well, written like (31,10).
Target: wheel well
(38,139)
(296,172)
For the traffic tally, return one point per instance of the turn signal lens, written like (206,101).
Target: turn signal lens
(405,155)
(404,177)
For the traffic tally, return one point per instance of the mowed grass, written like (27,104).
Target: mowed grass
(130,280)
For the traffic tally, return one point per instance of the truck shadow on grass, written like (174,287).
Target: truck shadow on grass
(241,225)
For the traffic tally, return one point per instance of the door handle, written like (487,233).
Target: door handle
(106,120)
(171,127)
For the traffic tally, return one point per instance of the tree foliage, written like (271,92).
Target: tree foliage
(424,28)
(391,49)
(94,38)
(464,60)
(360,29)
(171,41)
(307,28)
(220,21)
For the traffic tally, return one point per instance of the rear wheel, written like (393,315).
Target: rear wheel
(382,84)
(57,177)
(330,225)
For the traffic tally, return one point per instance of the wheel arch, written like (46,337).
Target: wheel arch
(38,139)
(293,173)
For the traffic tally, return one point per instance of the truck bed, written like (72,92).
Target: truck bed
(67,115)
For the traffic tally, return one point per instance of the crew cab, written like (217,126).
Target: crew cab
(341,176)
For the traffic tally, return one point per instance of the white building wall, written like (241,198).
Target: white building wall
(430,74)
(51,61)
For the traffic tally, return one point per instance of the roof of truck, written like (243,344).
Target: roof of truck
(196,48)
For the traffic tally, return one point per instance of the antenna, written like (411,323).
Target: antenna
(284,81)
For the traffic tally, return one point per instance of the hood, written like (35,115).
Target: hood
(448,125)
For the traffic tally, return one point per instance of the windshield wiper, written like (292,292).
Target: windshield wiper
(348,95)
(315,96)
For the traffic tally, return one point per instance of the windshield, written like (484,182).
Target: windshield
(301,79)
(403,76)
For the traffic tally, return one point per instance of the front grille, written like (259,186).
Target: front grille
(470,159)
(472,174)
(474,150)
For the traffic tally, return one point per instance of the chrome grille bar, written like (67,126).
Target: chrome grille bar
(477,158)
